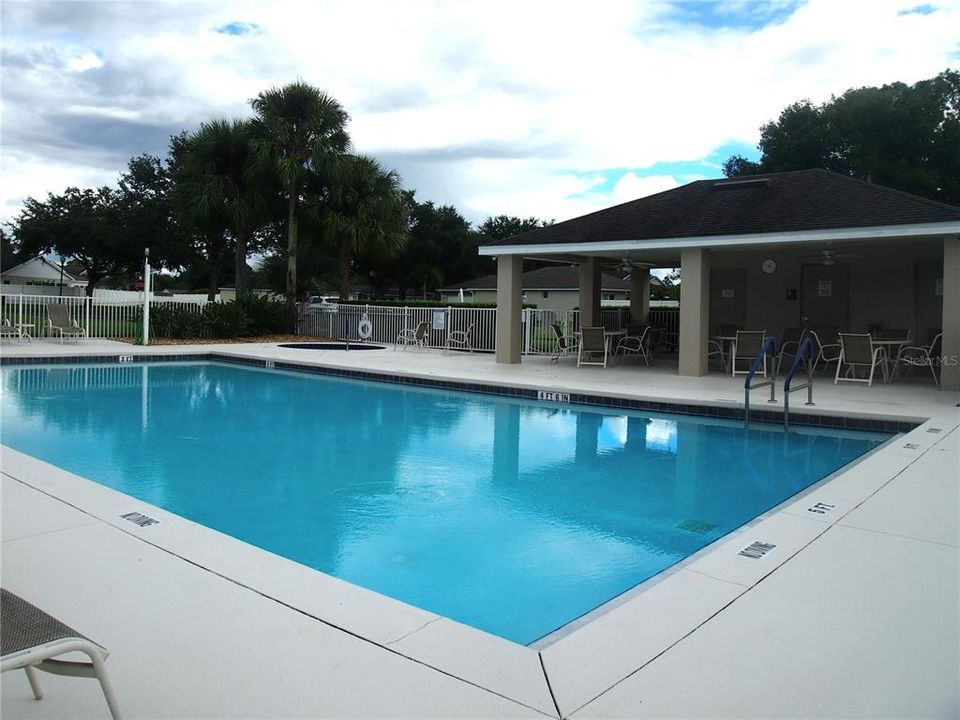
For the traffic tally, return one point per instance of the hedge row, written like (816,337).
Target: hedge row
(248,316)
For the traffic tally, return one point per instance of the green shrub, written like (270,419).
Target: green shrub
(266,316)
(225,320)
(179,322)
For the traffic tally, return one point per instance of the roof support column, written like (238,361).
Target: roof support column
(590,293)
(694,310)
(509,306)
(950,365)
(640,295)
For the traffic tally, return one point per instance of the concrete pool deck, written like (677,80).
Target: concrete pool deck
(854,613)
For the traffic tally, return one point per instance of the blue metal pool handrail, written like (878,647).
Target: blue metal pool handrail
(803,357)
(769,346)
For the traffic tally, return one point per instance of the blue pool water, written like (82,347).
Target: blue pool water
(513,517)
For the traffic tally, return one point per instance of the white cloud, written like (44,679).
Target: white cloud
(85,62)
(494,107)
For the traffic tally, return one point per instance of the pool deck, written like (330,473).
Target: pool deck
(853,613)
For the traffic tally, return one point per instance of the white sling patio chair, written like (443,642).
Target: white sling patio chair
(921,356)
(31,639)
(858,351)
(635,342)
(416,337)
(824,353)
(59,320)
(7,330)
(593,343)
(459,340)
(565,343)
(745,349)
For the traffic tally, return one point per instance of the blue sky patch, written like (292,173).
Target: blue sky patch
(743,14)
(238,28)
(683,171)
(924,9)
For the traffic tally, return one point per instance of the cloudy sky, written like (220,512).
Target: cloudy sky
(549,109)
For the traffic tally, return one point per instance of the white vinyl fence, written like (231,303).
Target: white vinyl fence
(104,318)
(99,317)
(538,335)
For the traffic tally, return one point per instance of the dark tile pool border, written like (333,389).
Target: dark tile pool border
(734,412)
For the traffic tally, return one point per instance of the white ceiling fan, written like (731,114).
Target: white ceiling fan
(629,264)
(829,257)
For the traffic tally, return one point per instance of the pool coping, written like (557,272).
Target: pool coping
(554,680)
(801,416)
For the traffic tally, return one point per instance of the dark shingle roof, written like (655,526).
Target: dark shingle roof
(768,203)
(558,277)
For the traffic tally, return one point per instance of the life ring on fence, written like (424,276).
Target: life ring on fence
(364,328)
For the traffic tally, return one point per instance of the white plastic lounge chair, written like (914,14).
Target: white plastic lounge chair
(858,351)
(459,340)
(416,337)
(565,343)
(635,342)
(593,344)
(31,639)
(59,321)
(921,356)
(745,349)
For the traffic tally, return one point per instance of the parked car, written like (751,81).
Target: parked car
(322,303)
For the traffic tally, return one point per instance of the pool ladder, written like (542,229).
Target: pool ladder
(769,347)
(803,358)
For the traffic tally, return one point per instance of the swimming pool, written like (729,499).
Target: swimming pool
(511,516)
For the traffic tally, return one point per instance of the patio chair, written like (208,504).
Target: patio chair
(715,350)
(825,353)
(416,337)
(58,319)
(921,356)
(7,330)
(745,349)
(635,342)
(858,351)
(459,340)
(789,345)
(565,343)
(31,639)
(593,343)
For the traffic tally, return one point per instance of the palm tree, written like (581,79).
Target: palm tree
(365,212)
(299,130)
(221,179)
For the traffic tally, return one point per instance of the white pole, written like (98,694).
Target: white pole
(146,296)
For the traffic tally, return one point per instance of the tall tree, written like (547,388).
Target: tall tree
(220,179)
(147,214)
(298,130)
(206,231)
(364,213)
(79,225)
(504,226)
(903,136)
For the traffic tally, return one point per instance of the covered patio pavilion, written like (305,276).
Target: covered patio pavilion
(807,248)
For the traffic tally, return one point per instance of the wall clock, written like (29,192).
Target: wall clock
(769,266)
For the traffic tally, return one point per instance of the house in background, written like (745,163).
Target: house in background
(549,288)
(39,271)
(808,248)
